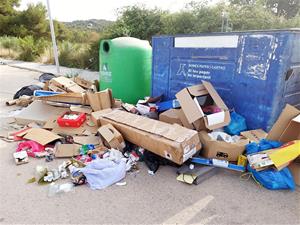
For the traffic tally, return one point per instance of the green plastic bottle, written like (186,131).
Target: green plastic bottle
(125,67)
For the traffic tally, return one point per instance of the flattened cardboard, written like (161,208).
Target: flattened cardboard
(170,116)
(41,136)
(100,100)
(69,98)
(172,142)
(83,83)
(81,109)
(282,123)
(254,135)
(66,84)
(96,115)
(38,112)
(56,89)
(67,150)
(193,112)
(84,140)
(112,137)
(221,149)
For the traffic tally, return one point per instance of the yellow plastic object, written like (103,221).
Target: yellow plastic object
(242,160)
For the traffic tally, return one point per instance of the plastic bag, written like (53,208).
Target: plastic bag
(263,144)
(27,90)
(237,124)
(102,173)
(273,179)
(31,147)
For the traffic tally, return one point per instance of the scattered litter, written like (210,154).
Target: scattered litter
(21,157)
(55,189)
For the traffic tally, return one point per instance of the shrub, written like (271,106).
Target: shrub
(31,49)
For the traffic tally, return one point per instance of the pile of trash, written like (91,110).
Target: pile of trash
(101,138)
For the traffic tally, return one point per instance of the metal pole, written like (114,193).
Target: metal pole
(55,52)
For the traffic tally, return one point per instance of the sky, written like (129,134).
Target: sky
(69,10)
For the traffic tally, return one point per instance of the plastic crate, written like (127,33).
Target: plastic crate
(65,122)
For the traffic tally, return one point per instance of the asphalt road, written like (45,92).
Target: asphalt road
(223,199)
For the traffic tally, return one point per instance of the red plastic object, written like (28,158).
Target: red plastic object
(63,122)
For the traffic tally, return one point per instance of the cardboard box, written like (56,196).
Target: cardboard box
(221,149)
(254,135)
(95,116)
(69,98)
(100,100)
(287,126)
(193,98)
(170,116)
(172,142)
(67,150)
(38,112)
(295,170)
(112,137)
(66,84)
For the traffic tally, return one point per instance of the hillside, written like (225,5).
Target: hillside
(92,24)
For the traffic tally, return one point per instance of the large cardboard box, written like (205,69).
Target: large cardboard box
(172,142)
(100,100)
(254,135)
(66,84)
(192,100)
(170,116)
(112,137)
(95,116)
(287,126)
(221,149)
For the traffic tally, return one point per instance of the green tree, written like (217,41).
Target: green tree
(7,7)
(137,21)
(286,8)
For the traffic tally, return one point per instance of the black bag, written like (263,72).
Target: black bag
(27,90)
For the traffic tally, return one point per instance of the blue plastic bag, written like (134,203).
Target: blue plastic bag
(264,144)
(237,124)
(273,179)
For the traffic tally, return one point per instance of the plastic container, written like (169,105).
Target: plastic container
(125,67)
(67,120)
(255,72)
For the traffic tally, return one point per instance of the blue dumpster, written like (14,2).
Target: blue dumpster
(255,72)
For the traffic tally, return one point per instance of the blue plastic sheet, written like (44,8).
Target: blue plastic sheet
(237,124)
(264,144)
(273,179)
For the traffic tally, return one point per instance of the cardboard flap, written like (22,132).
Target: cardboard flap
(215,96)
(197,90)
(254,135)
(288,113)
(41,136)
(106,133)
(190,109)
(173,132)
